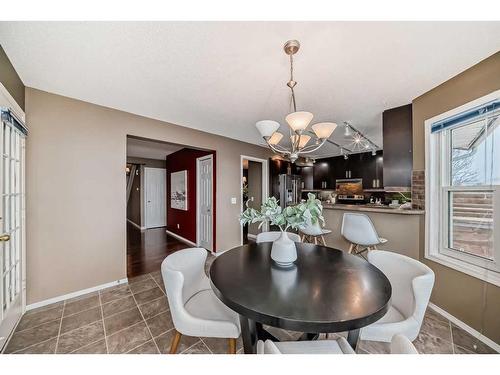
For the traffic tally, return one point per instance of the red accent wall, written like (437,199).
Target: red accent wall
(181,160)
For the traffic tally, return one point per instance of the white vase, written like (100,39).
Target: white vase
(283,251)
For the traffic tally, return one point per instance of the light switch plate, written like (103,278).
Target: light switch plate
(233,200)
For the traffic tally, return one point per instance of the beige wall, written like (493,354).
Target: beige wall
(459,294)
(76,153)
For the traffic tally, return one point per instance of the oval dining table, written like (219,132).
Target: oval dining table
(325,291)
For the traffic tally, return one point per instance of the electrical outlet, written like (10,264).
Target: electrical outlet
(178,226)
(233,200)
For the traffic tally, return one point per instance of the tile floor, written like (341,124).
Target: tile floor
(135,318)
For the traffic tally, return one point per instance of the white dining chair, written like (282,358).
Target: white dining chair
(412,283)
(195,309)
(273,236)
(399,345)
(338,346)
(313,233)
(359,230)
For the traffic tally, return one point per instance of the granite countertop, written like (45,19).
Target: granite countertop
(371,208)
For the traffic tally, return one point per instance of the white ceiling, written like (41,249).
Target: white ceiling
(138,148)
(222,77)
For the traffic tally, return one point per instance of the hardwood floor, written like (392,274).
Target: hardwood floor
(146,250)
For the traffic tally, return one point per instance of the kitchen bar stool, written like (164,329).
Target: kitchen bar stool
(359,230)
(313,233)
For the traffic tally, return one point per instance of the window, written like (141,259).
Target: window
(463,188)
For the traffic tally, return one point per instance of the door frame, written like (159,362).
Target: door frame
(265,186)
(144,220)
(7,101)
(198,211)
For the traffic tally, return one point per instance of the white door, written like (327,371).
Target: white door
(155,197)
(12,214)
(204,195)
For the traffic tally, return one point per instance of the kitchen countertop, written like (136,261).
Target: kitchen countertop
(371,208)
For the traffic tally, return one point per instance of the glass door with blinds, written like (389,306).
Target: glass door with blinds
(12,214)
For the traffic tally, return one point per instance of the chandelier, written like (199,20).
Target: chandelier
(302,142)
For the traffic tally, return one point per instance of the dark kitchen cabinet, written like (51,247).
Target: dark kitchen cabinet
(307,177)
(321,174)
(339,169)
(398,146)
(363,165)
(371,169)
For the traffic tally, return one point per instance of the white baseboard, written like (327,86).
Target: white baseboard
(136,225)
(466,327)
(75,294)
(180,238)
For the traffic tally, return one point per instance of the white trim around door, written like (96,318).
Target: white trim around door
(265,186)
(209,245)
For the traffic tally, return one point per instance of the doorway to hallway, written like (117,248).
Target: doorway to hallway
(170,201)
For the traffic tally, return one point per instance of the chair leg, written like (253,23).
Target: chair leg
(315,240)
(232,346)
(323,239)
(175,342)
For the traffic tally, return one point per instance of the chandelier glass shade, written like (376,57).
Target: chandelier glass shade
(302,140)
(267,127)
(298,122)
(275,138)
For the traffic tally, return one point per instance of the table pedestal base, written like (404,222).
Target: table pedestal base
(251,332)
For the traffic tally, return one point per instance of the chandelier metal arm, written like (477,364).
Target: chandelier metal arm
(312,148)
(279,149)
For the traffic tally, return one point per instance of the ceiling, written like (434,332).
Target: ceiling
(139,148)
(222,77)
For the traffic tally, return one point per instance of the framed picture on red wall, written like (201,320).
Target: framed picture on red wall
(178,190)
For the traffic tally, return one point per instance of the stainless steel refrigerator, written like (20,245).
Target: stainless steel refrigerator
(290,188)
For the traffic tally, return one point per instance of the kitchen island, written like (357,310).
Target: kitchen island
(404,229)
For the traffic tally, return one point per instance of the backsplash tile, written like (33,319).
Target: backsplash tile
(418,190)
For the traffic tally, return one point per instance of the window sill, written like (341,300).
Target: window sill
(489,276)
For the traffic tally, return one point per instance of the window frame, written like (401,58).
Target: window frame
(437,187)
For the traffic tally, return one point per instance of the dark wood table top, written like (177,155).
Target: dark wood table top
(327,290)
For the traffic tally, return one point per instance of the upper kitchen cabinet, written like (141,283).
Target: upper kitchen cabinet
(398,159)
(363,165)
(321,174)
(307,177)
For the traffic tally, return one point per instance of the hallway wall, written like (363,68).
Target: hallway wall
(181,160)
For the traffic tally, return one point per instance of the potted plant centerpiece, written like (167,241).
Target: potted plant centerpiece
(309,212)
